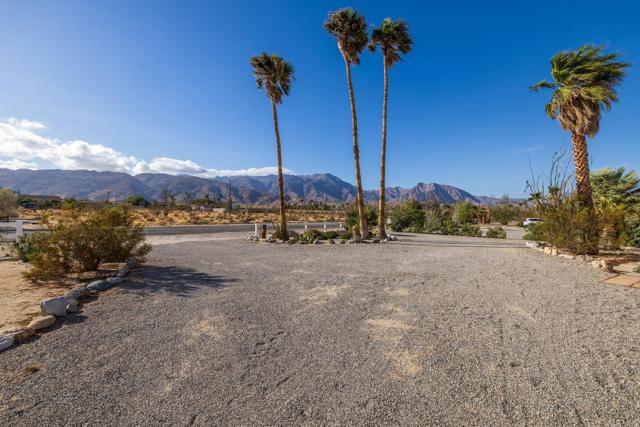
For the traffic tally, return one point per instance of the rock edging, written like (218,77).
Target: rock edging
(51,308)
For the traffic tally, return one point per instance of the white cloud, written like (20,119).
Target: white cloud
(17,164)
(21,146)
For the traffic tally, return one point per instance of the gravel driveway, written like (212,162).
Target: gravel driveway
(427,330)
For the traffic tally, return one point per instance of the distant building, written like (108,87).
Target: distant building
(34,201)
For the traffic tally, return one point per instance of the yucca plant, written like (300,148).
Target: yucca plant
(274,75)
(393,39)
(350,30)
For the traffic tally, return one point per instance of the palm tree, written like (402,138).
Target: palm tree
(393,38)
(275,75)
(584,83)
(350,30)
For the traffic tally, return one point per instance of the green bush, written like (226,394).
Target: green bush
(25,246)
(572,227)
(632,232)
(331,234)
(496,233)
(432,221)
(470,230)
(450,228)
(464,212)
(407,216)
(369,213)
(80,243)
(535,232)
(611,226)
(312,235)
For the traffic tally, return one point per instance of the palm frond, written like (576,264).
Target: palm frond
(273,74)
(350,30)
(393,38)
(585,81)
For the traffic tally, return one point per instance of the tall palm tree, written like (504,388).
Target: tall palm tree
(393,38)
(350,31)
(584,83)
(275,75)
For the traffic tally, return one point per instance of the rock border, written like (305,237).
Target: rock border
(271,239)
(52,308)
(604,263)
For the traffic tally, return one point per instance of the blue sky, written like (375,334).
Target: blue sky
(115,85)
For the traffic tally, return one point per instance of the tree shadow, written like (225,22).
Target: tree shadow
(181,281)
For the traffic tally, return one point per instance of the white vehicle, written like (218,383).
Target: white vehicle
(528,221)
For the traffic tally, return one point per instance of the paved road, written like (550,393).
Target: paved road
(225,228)
(428,330)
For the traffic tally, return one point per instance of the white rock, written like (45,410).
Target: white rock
(54,306)
(5,342)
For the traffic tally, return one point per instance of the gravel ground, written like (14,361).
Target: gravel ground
(427,330)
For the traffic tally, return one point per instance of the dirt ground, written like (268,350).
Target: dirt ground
(20,299)
(160,217)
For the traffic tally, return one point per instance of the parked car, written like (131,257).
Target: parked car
(528,221)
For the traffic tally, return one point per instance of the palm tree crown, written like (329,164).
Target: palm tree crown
(393,38)
(584,83)
(274,74)
(350,29)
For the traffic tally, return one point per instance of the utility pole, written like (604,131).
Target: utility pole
(229,200)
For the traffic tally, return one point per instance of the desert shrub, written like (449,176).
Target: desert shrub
(572,227)
(632,232)
(77,244)
(464,212)
(505,213)
(432,221)
(535,232)
(449,227)
(407,216)
(611,226)
(25,246)
(73,205)
(311,235)
(369,213)
(331,234)
(496,233)
(470,230)
(345,234)
(8,203)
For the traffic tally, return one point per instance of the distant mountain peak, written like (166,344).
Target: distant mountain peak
(244,189)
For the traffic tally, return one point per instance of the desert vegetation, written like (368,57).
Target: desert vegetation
(584,84)
(80,242)
(612,222)
(461,219)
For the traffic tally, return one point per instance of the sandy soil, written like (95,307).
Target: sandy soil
(19,299)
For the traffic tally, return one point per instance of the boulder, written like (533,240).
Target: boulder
(99,285)
(114,280)
(54,306)
(5,342)
(78,292)
(41,322)
(73,307)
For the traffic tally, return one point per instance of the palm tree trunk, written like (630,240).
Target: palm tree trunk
(581,160)
(283,218)
(364,232)
(381,200)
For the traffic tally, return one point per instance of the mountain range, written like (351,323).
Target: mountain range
(93,185)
